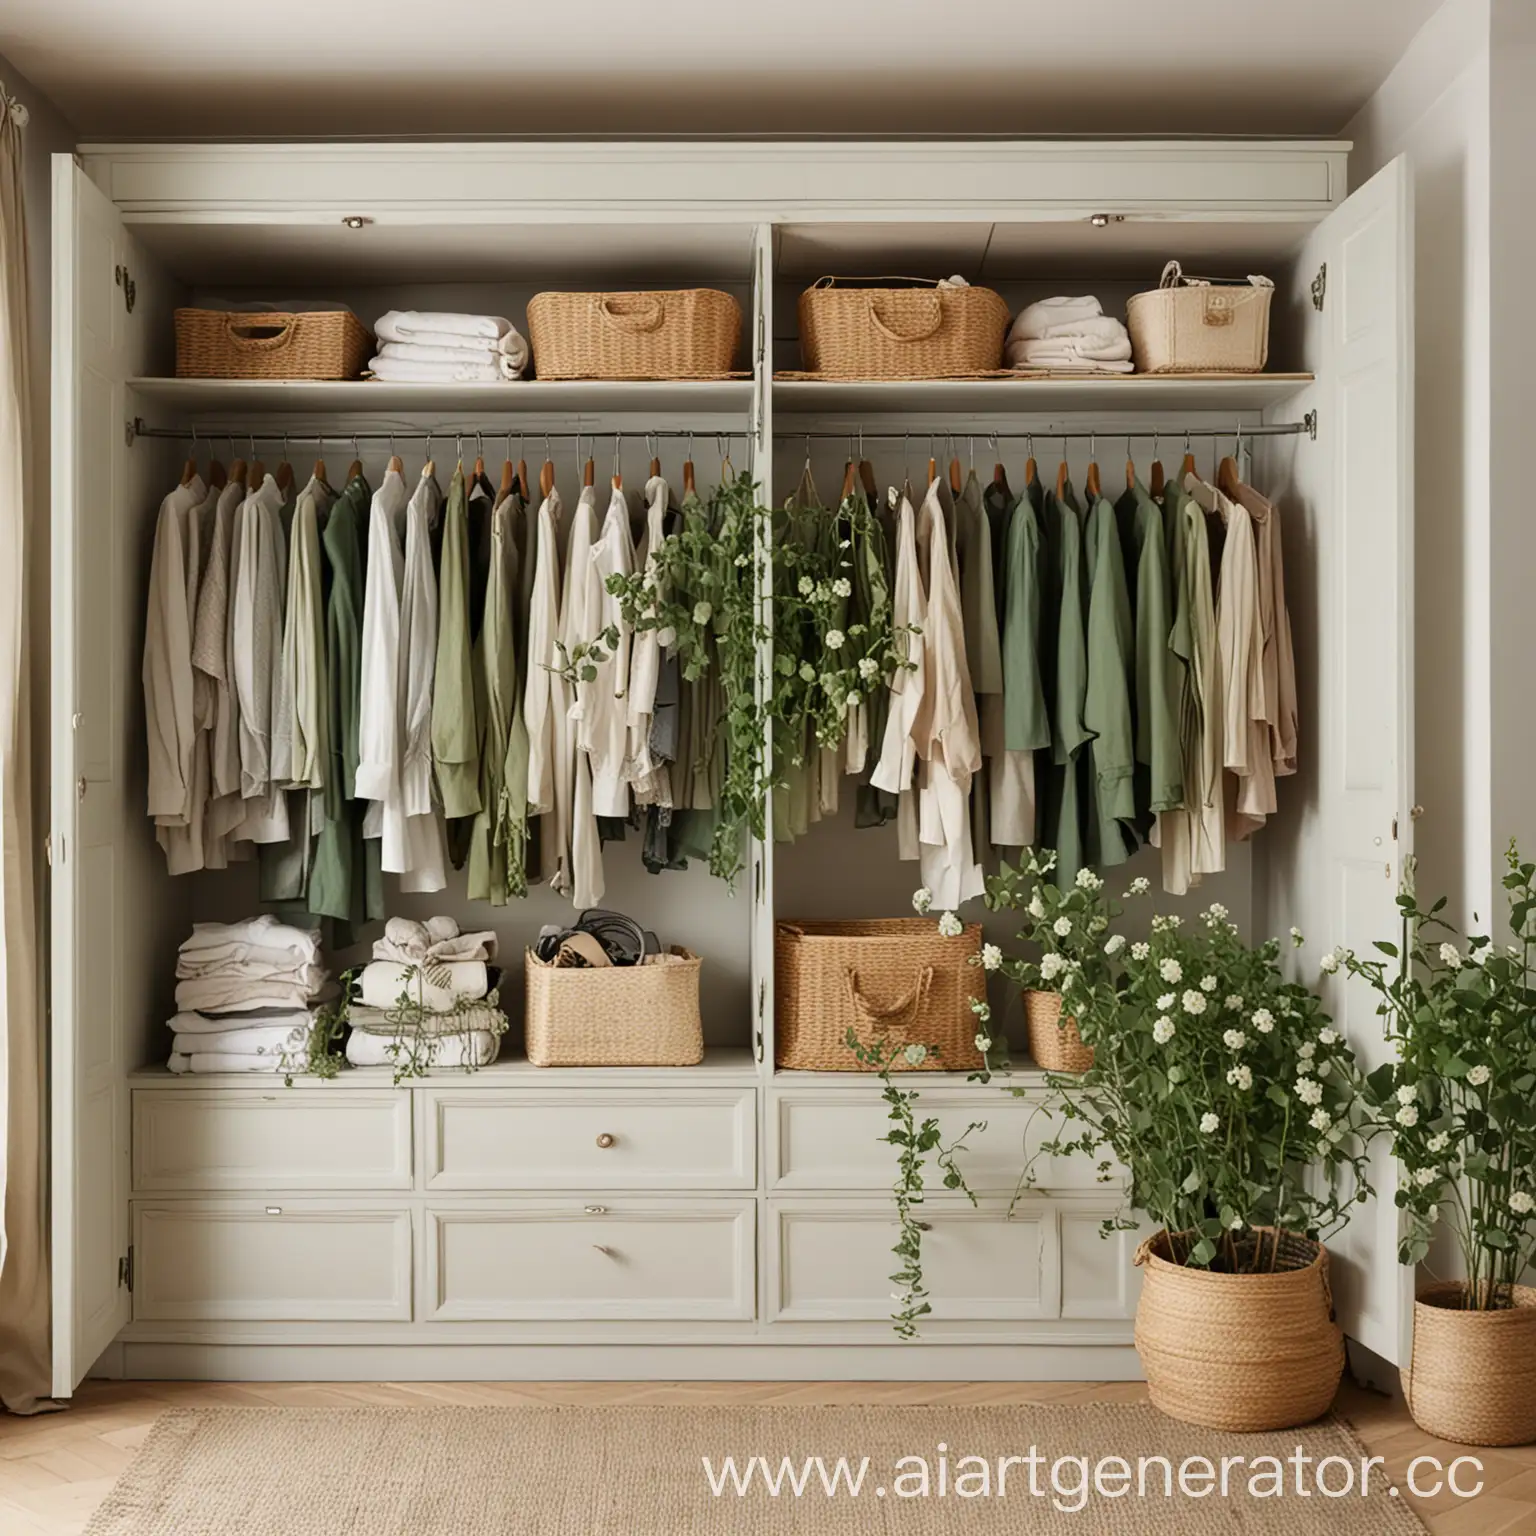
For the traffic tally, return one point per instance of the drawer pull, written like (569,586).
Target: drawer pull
(606,1140)
(603,1249)
(274,1210)
(596,1210)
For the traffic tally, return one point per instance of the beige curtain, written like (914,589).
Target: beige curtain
(24,1345)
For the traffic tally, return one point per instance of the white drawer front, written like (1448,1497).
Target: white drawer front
(188,1140)
(1098,1277)
(594,1259)
(284,1261)
(830,1139)
(832,1261)
(558,1139)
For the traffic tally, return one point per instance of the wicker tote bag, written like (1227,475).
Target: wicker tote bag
(615,1015)
(1200,324)
(924,330)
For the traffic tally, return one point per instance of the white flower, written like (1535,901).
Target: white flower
(1309,1091)
(1051,966)
(1139,886)
(922,899)
(807,586)
(1241,1077)
(1329,962)
(1521,1203)
(1232,1001)
(1439,1143)
(1296,937)
(1163,1030)
(1207,983)
(1062,927)
(1140,950)
(1407,1094)
(807,671)
(1424,1177)
(834,640)
(916,1055)
(1236,1224)
(1408,1115)
(741,560)
(1234,1039)
(1478,1075)
(702,613)
(1114,944)
(869,668)
(983,1044)
(1262,1020)
(1216,910)
(1171,970)
(1321,1120)
(981,1008)
(1036,907)
(991,957)
(1088,881)
(1209,1123)
(951,926)
(842,587)
(1328,1036)
(1451,956)
(1194,1002)
(1306,1050)
(1175,1073)
(1167,1000)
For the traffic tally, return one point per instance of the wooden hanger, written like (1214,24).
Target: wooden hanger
(868,481)
(655,465)
(933,470)
(508,474)
(956,477)
(1061,480)
(1000,476)
(1091,479)
(354,469)
(284,475)
(216,476)
(397,464)
(1031,469)
(189,472)
(1188,466)
(320,472)
(237,471)
(547,477)
(479,466)
(850,474)
(522,474)
(1155,482)
(1130,471)
(589,473)
(258,474)
(688,485)
(1228,479)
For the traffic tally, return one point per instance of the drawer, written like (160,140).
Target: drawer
(554,1138)
(1098,1277)
(831,1261)
(830,1139)
(278,1261)
(626,1259)
(186,1140)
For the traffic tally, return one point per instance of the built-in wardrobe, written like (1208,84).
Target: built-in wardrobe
(727,1220)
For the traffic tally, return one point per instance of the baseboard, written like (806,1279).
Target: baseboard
(531,1362)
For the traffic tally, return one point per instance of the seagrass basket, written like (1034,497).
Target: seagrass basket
(688,333)
(1053,1041)
(893,979)
(238,344)
(921,331)
(1200,325)
(1472,1375)
(1240,1351)
(643,1015)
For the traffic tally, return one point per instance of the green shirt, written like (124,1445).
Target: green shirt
(1111,837)
(1026,720)
(455,733)
(1064,801)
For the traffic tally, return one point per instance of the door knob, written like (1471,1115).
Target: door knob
(606,1140)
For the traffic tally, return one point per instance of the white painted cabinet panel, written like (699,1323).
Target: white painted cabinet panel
(831,1260)
(185,1140)
(552,1138)
(1098,1275)
(284,1261)
(625,1259)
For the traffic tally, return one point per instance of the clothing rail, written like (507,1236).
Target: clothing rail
(214,434)
(1307,425)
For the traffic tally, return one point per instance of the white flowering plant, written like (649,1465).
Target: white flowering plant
(1223,1090)
(1461,1012)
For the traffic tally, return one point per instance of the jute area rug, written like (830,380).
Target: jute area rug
(654,1471)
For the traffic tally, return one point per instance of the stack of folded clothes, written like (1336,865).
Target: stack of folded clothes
(430,991)
(1068,336)
(246,996)
(430,347)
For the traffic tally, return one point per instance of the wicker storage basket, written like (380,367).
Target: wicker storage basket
(237,344)
(643,1015)
(894,979)
(1053,1041)
(688,333)
(1195,325)
(1240,1352)
(925,332)
(1472,1375)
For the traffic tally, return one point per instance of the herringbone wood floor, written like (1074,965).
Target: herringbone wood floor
(55,1470)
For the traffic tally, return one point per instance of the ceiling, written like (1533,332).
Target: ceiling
(371,68)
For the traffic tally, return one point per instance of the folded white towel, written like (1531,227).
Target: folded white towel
(412,943)
(221,994)
(266,1040)
(1103,328)
(476,1048)
(225,1061)
(382,982)
(415,352)
(284,970)
(1069,357)
(1034,319)
(392,370)
(429,324)
(472,1016)
(252,938)
(192,1023)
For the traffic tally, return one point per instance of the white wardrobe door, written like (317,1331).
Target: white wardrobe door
(1334,860)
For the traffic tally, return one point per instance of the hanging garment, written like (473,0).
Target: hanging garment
(1111,756)
(1279,659)
(871,608)
(580,622)
(898,751)
(1065,807)
(303,654)
(698,764)
(545,703)
(455,728)
(498,839)
(602,704)
(647,775)
(379,703)
(426,849)
(1025,722)
(946,729)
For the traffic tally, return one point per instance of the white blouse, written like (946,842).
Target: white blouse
(545,702)
(580,620)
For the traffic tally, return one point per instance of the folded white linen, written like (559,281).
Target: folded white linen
(285,971)
(485,1016)
(225,1061)
(420,324)
(383,981)
(1104,328)
(510,353)
(194,1023)
(391,370)
(1065,356)
(476,1048)
(438,938)
(218,994)
(512,368)
(418,352)
(251,938)
(265,1040)
(1034,319)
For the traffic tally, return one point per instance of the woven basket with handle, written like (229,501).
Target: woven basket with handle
(237,344)
(1240,1351)
(1472,1375)
(921,331)
(1053,1041)
(688,333)
(615,1016)
(893,979)
(1200,325)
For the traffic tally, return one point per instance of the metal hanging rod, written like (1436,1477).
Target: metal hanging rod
(210,434)
(1306,426)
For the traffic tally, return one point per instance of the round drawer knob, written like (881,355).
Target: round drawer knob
(606,1140)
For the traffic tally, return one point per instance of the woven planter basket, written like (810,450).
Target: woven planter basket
(643,1015)
(893,979)
(923,332)
(1192,325)
(235,344)
(1240,1352)
(1053,1041)
(688,333)
(1472,1375)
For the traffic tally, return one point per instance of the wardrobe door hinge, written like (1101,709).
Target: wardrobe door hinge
(125,1270)
(1320,287)
(126,283)
(757,1032)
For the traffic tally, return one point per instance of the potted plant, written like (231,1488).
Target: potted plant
(1461,1012)
(1237,1112)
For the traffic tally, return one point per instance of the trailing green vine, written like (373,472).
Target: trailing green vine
(321,1055)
